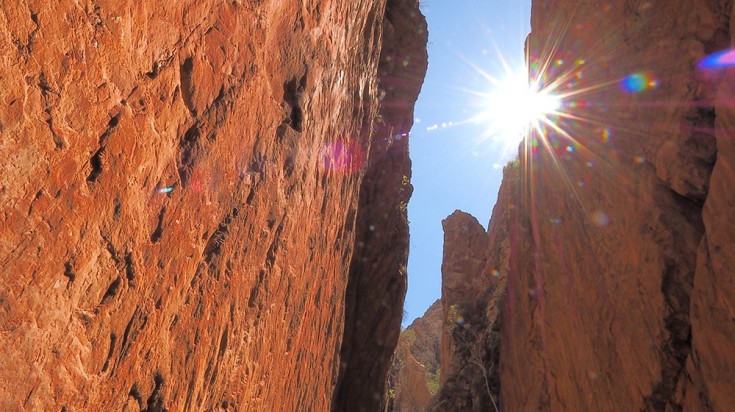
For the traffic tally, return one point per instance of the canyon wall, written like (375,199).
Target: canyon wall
(182,199)
(377,277)
(415,372)
(609,259)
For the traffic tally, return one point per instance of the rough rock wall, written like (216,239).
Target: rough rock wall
(179,193)
(712,361)
(474,273)
(406,388)
(377,276)
(412,378)
(618,290)
(598,316)
(465,243)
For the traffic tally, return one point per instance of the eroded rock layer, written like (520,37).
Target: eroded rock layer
(179,192)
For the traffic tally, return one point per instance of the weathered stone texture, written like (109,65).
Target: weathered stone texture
(377,275)
(179,193)
(415,364)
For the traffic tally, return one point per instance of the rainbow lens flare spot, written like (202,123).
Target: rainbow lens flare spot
(724,58)
(638,82)
(606,133)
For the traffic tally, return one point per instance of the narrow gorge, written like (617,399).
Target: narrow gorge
(204,209)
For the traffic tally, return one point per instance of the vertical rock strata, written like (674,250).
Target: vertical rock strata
(615,263)
(180,189)
(377,276)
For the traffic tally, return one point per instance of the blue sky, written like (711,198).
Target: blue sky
(456,165)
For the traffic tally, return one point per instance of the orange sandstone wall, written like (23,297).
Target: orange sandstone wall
(179,190)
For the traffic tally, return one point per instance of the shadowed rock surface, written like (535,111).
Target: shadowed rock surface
(182,193)
(377,276)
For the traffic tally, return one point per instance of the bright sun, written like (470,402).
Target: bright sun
(513,106)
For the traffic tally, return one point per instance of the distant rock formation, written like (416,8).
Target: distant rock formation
(474,273)
(415,371)
(188,187)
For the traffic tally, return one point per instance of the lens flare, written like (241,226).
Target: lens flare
(342,156)
(514,106)
(638,82)
(721,59)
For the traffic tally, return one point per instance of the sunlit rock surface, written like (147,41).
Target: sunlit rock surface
(614,287)
(180,188)
(415,371)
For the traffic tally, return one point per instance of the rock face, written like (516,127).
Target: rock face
(182,196)
(474,273)
(377,276)
(614,243)
(413,376)
(463,262)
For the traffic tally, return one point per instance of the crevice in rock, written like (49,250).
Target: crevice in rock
(111,125)
(154,71)
(111,291)
(158,232)
(96,164)
(135,394)
(292,94)
(214,243)
(156,401)
(69,271)
(39,194)
(117,208)
(680,219)
(51,99)
(99,158)
(130,268)
(110,247)
(187,87)
(188,153)
(113,339)
(132,329)
(27,48)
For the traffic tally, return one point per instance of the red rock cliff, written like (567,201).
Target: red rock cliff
(618,292)
(180,189)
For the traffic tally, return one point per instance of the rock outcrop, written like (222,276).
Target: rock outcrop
(474,273)
(413,378)
(182,197)
(613,243)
